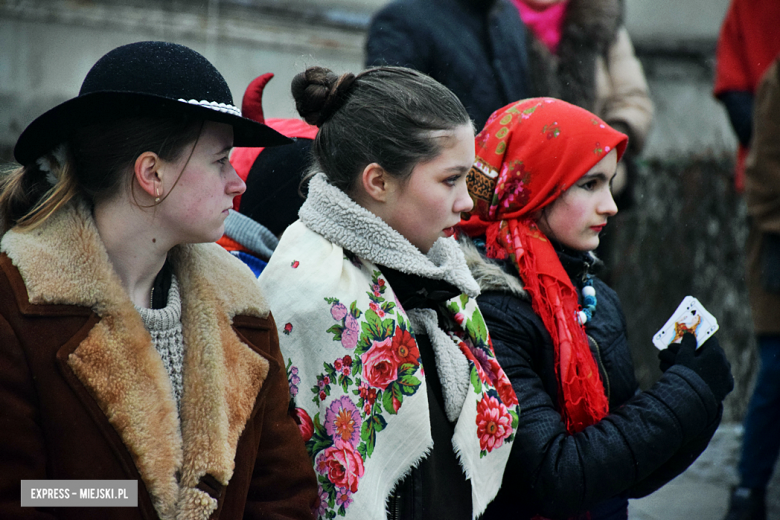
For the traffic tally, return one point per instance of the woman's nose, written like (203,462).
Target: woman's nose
(608,206)
(463,202)
(236,185)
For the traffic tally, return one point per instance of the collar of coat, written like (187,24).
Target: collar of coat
(331,213)
(589,29)
(63,262)
(594,20)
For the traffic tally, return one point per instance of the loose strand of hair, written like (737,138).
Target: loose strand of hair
(52,200)
(12,194)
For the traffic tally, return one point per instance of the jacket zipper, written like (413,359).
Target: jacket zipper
(395,507)
(601,364)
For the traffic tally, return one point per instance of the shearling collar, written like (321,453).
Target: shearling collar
(63,262)
(501,276)
(334,215)
(589,29)
(596,20)
(488,273)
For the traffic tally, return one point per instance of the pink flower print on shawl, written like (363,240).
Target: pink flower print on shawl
(380,367)
(343,466)
(494,424)
(348,331)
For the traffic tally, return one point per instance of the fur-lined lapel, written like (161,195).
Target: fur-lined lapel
(221,375)
(64,262)
(493,277)
(488,274)
(331,213)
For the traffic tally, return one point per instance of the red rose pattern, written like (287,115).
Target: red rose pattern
(377,309)
(343,465)
(503,385)
(380,367)
(404,348)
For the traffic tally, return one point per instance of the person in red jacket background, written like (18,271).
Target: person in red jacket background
(747,45)
(273,177)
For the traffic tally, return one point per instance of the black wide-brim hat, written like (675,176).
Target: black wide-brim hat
(144,78)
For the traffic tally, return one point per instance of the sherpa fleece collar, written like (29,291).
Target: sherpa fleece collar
(64,262)
(339,219)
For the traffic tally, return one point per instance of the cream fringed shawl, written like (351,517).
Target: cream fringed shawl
(354,367)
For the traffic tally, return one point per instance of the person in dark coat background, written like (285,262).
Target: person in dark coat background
(761,442)
(587,440)
(580,51)
(493,52)
(476,48)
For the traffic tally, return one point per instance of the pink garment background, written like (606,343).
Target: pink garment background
(546,24)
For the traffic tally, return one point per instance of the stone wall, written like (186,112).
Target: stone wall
(686,232)
(685,236)
(48,46)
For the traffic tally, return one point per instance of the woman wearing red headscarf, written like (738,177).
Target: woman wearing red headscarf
(587,440)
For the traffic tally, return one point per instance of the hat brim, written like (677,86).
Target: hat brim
(55,126)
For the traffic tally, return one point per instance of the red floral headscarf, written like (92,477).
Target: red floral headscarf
(528,154)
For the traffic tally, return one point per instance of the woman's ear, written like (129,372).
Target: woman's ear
(376,182)
(147,173)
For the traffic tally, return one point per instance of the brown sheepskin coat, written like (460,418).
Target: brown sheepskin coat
(84,394)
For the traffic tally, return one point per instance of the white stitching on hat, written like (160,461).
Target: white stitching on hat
(213,105)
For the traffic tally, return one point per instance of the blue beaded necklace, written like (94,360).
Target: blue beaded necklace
(588,301)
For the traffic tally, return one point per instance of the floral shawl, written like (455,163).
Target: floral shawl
(354,366)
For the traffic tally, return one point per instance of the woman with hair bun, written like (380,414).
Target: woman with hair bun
(130,350)
(403,407)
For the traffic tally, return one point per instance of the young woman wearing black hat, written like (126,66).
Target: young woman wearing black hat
(130,350)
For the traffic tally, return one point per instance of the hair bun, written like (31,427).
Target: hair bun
(319,93)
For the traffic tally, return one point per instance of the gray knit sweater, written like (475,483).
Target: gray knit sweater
(165,327)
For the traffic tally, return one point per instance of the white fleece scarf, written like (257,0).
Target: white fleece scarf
(354,366)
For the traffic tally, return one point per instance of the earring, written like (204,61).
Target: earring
(157,193)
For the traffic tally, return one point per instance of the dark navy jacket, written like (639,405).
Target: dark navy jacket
(476,48)
(647,439)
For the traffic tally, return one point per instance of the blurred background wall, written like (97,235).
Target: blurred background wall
(47,46)
(683,236)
